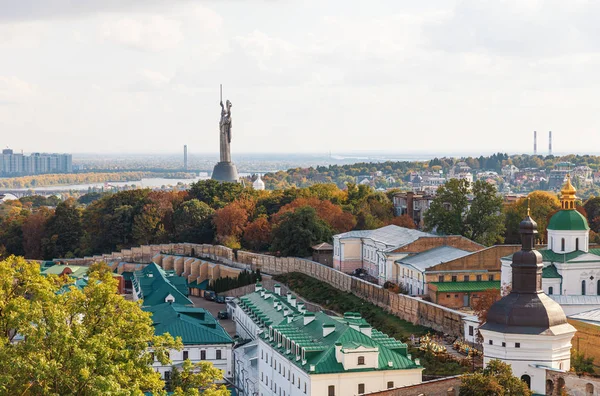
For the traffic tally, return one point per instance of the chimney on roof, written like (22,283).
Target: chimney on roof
(293,301)
(277,289)
(257,287)
(289,297)
(301,308)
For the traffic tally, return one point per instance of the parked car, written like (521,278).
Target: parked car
(220,299)
(209,295)
(223,315)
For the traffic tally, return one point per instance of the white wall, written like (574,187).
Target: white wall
(194,354)
(555,237)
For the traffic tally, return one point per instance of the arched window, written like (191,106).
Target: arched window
(527,379)
(589,389)
(551,243)
(562,244)
(576,243)
(550,290)
(361,360)
(549,387)
(583,288)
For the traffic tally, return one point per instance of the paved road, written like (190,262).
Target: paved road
(214,309)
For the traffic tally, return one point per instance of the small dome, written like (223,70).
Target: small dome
(568,188)
(528,226)
(568,220)
(258,184)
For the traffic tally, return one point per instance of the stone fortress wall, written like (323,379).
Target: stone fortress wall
(201,261)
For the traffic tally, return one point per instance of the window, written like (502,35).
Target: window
(479,278)
(503,344)
(447,295)
(490,277)
(293,377)
(562,245)
(167,375)
(218,354)
(361,389)
(203,355)
(305,387)
(491,342)
(583,287)
(454,278)
(471,330)
(517,345)
(361,360)
(598,287)
(262,354)
(390,384)
(262,377)
(550,290)
(527,379)
(441,278)
(576,243)
(466,278)
(331,390)
(185,355)
(153,358)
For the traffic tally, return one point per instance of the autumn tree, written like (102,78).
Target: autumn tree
(80,342)
(592,208)
(257,234)
(34,229)
(230,222)
(194,379)
(333,215)
(481,305)
(403,221)
(541,203)
(298,231)
(496,379)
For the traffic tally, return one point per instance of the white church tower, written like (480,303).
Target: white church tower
(527,329)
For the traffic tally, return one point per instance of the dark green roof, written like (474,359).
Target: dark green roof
(459,287)
(202,285)
(550,272)
(195,326)
(551,257)
(153,285)
(320,350)
(568,220)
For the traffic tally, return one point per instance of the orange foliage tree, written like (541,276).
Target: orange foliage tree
(230,222)
(332,214)
(257,234)
(403,221)
(481,305)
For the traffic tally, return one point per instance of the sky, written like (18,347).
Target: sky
(118,76)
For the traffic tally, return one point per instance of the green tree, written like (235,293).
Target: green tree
(581,364)
(194,378)
(298,231)
(215,194)
(485,218)
(592,208)
(542,205)
(450,213)
(64,231)
(496,379)
(80,342)
(193,222)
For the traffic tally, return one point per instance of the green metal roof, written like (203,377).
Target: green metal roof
(78,271)
(458,287)
(550,272)
(551,257)
(202,285)
(319,350)
(195,326)
(568,220)
(153,285)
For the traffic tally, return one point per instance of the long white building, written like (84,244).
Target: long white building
(292,352)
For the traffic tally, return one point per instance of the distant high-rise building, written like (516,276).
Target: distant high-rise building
(12,164)
(185,164)
(550,143)
(534,142)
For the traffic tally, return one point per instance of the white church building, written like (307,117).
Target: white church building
(571,270)
(526,328)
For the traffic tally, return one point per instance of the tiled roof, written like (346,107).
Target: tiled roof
(323,246)
(77,270)
(194,325)
(458,287)
(433,257)
(156,284)
(391,235)
(550,272)
(320,350)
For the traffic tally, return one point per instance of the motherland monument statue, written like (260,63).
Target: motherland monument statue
(225,170)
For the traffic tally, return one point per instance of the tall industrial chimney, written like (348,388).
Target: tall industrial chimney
(550,143)
(534,142)
(185,165)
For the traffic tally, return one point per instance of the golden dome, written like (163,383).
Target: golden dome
(568,194)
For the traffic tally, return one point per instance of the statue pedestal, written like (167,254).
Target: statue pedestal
(225,172)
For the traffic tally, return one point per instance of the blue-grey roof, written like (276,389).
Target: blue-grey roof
(592,316)
(432,257)
(576,300)
(392,235)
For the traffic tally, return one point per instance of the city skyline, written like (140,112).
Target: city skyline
(306,77)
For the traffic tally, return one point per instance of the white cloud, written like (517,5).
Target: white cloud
(148,33)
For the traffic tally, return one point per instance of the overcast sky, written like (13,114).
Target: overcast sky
(303,75)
